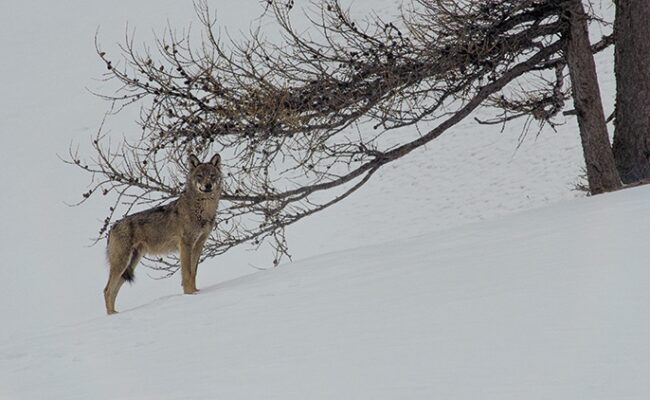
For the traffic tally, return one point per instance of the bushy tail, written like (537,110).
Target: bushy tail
(128,274)
(121,255)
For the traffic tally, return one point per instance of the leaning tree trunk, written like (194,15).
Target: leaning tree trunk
(632,69)
(599,159)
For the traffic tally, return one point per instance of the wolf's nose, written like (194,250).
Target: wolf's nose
(208,187)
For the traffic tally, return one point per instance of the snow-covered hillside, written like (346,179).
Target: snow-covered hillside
(547,304)
(428,282)
(52,276)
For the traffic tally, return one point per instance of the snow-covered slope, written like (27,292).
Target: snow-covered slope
(546,304)
(420,305)
(50,275)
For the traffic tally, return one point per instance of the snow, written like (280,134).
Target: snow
(543,304)
(469,269)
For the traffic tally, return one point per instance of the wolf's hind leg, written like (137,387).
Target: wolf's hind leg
(119,259)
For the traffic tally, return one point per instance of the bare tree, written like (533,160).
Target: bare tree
(303,124)
(599,159)
(632,69)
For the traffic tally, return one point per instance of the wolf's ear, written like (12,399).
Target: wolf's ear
(193,161)
(215,160)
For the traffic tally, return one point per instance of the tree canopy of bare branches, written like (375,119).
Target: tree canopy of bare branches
(303,123)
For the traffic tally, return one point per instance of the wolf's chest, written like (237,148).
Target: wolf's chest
(203,216)
(204,221)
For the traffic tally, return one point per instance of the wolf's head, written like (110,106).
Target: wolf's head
(205,178)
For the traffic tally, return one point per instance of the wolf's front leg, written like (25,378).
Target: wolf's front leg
(186,267)
(196,255)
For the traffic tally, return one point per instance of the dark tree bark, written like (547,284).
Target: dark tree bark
(632,69)
(599,159)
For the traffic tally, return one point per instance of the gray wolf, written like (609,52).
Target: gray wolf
(182,226)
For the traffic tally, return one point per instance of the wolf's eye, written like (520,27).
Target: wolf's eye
(199,176)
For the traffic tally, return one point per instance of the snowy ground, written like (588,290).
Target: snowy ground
(426,283)
(544,304)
